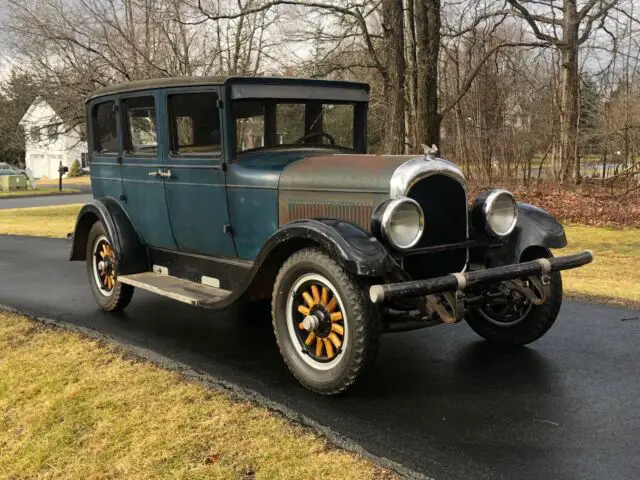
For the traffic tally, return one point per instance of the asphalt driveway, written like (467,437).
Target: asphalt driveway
(439,401)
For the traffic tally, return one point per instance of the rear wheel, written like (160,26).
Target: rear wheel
(102,270)
(327,330)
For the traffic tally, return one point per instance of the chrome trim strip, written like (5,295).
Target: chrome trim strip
(415,169)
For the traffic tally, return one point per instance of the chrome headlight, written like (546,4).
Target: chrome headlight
(400,222)
(496,212)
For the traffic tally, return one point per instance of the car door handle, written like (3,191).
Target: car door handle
(166,174)
(154,174)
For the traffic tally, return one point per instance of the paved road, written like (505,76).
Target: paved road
(44,200)
(440,401)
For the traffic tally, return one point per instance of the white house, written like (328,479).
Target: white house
(50,141)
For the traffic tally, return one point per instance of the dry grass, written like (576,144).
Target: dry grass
(39,191)
(83,180)
(71,408)
(614,274)
(55,221)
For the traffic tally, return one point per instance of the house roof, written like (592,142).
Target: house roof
(172,82)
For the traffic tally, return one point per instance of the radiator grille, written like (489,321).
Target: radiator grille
(357,213)
(444,202)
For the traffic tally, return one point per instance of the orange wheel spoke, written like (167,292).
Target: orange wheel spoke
(308,299)
(331,306)
(336,317)
(324,298)
(329,347)
(337,328)
(304,310)
(335,340)
(319,344)
(316,294)
(310,339)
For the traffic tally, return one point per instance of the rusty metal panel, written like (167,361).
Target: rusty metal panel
(342,173)
(357,213)
(352,207)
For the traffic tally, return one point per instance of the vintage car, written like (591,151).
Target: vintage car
(214,191)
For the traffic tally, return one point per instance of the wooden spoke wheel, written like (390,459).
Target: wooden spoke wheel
(104,263)
(102,270)
(316,320)
(326,327)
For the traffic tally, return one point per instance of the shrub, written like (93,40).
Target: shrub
(75,170)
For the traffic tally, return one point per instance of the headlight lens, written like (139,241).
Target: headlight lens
(402,223)
(501,213)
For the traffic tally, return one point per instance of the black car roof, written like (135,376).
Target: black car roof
(174,82)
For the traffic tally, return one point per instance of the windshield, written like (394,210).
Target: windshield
(263,124)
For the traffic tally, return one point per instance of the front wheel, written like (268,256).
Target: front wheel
(102,270)
(514,320)
(327,330)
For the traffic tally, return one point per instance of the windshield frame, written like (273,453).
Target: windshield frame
(270,105)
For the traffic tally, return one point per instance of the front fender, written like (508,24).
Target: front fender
(535,228)
(359,252)
(130,252)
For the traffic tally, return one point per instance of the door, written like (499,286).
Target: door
(143,171)
(196,191)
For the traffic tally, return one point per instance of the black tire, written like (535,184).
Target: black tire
(117,297)
(534,325)
(361,324)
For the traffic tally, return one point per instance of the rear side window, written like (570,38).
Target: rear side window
(140,118)
(105,130)
(194,124)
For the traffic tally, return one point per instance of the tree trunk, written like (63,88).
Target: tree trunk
(569,102)
(394,76)
(428,22)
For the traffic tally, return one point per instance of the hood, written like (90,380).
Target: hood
(342,173)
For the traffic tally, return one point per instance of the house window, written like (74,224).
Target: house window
(141,133)
(52,132)
(35,134)
(84,160)
(105,130)
(195,124)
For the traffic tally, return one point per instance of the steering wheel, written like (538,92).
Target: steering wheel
(329,137)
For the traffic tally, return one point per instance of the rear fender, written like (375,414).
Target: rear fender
(130,252)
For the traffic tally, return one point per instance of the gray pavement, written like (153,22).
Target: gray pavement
(44,200)
(439,401)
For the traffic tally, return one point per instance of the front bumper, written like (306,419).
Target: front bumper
(458,282)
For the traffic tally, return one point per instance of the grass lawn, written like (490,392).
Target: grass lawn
(83,180)
(55,221)
(73,408)
(38,191)
(614,276)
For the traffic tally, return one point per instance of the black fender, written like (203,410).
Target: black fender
(130,251)
(358,252)
(535,227)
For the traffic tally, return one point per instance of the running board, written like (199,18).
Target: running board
(184,291)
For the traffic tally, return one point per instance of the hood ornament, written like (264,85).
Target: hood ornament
(430,151)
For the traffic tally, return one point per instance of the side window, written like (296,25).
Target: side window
(105,131)
(140,119)
(249,117)
(194,124)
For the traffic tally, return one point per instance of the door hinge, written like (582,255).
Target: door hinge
(228,229)
(219,103)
